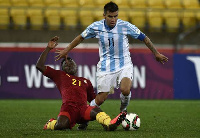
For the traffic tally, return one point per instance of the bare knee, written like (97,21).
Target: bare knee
(125,86)
(63,122)
(125,91)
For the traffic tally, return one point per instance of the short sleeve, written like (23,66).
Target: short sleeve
(88,32)
(134,32)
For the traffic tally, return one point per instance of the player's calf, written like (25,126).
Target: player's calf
(124,101)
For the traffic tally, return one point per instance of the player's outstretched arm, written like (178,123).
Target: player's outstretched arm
(159,57)
(51,44)
(74,43)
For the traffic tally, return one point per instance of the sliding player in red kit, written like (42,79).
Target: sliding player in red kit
(75,92)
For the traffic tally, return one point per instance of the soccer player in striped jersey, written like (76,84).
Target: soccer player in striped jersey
(115,67)
(75,92)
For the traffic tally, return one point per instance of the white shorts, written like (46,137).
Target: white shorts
(107,82)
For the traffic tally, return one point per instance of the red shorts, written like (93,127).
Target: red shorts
(76,114)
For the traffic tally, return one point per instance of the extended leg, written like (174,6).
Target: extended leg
(125,95)
(105,120)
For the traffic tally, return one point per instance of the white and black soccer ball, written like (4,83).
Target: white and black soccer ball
(131,122)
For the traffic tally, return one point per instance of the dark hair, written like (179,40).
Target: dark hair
(111,7)
(71,68)
(61,64)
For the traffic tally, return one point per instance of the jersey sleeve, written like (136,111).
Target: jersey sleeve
(134,32)
(89,32)
(90,92)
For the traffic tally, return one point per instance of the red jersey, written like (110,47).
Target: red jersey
(75,90)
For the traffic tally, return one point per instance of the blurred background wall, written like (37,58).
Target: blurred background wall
(172,25)
(36,20)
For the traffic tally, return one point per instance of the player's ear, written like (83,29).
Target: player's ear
(61,64)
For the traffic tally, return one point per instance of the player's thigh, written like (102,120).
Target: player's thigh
(106,82)
(126,77)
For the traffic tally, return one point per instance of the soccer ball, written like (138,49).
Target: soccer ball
(131,122)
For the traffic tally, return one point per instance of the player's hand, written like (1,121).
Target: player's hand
(161,58)
(53,42)
(60,54)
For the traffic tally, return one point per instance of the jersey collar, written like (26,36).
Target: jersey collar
(107,27)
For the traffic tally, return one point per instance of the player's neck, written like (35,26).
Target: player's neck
(107,27)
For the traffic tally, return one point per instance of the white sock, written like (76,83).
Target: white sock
(93,103)
(124,101)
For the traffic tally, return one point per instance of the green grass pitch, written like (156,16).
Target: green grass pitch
(159,118)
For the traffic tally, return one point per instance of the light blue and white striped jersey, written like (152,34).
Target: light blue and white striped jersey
(114,46)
